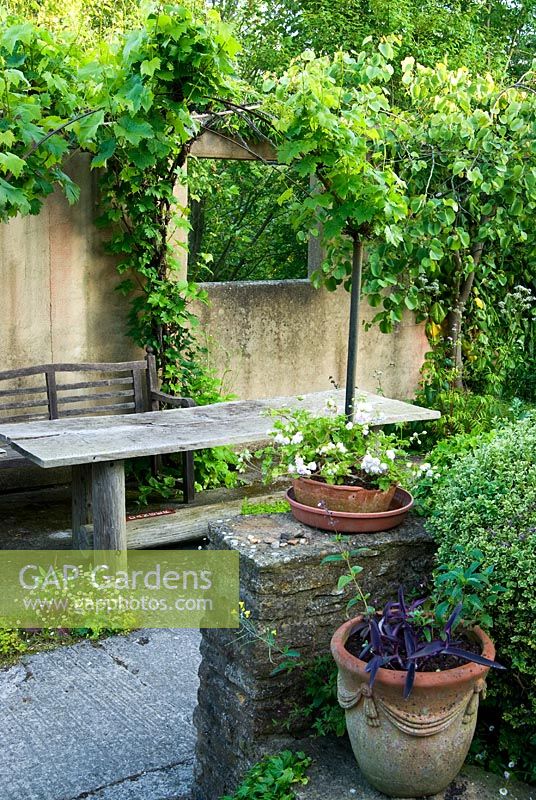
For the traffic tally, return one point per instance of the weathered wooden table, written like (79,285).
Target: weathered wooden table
(95,447)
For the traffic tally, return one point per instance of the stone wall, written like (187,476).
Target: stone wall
(243,709)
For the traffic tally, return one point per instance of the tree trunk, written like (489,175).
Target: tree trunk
(454,321)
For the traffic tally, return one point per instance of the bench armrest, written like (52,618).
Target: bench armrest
(171,400)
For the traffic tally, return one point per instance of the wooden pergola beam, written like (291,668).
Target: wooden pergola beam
(217,146)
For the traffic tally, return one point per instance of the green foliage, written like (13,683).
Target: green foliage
(12,644)
(501,348)
(238,229)
(468,421)
(359,602)
(284,658)
(334,119)
(215,467)
(152,86)
(454,583)
(322,713)
(494,36)
(487,500)
(15,642)
(444,184)
(326,716)
(463,413)
(250,507)
(38,103)
(87,20)
(273,778)
(467,159)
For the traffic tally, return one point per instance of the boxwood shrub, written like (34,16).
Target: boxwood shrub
(487,499)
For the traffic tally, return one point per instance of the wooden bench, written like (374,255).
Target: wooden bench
(60,391)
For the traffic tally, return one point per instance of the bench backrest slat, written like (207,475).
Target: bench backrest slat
(87,412)
(94,384)
(37,403)
(25,391)
(52,390)
(83,398)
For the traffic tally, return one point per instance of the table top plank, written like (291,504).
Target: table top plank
(83,440)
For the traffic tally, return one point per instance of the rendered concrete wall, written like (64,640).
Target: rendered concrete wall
(58,303)
(285,337)
(57,299)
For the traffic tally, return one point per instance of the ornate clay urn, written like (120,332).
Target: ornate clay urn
(413,747)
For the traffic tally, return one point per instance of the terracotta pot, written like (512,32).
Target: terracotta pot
(345,522)
(413,747)
(317,494)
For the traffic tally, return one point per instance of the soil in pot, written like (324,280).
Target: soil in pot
(354,645)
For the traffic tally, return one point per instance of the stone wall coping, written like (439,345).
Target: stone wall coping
(271,541)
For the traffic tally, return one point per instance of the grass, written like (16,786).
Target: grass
(273,507)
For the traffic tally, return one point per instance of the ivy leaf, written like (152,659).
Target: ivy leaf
(87,127)
(133,130)
(286,195)
(105,151)
(14,34)
(11,196)
(386,50)
(9,162)
(149,67)
(343,581)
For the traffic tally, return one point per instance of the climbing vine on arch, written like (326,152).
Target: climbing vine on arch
(150,88)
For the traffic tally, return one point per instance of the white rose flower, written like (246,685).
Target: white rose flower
(391,454)
(297,438)
(311,466)
(349,426)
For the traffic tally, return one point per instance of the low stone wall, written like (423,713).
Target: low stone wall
(243,709)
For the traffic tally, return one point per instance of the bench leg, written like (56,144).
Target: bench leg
(109,510)
(81,505)
(188,477)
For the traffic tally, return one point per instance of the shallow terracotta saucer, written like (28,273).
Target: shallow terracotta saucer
(345,522)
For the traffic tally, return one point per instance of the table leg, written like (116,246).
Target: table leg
(81,505)
(109,510)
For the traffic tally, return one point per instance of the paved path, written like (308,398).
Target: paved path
(105,722)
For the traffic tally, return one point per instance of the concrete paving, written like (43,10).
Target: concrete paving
(105,721)
(334,775)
